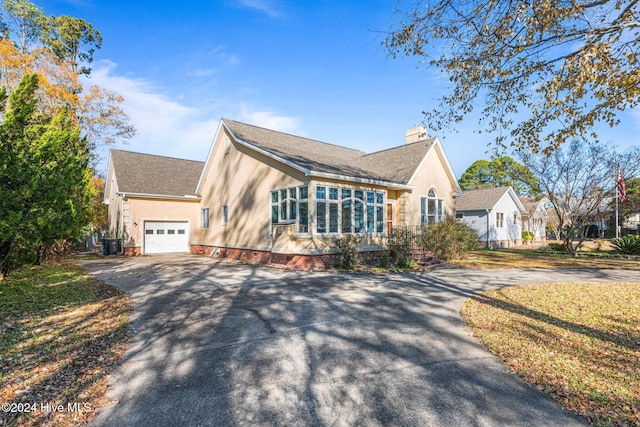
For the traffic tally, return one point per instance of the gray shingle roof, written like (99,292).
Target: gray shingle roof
(398,164)
(481,198)
(156,175)
(394,165)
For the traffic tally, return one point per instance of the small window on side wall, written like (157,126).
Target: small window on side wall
(225,214)
(205,218)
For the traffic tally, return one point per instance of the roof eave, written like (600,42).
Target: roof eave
(159,196)
(107,182)
(474,209)
(381,183)
(266,152)
(205,167)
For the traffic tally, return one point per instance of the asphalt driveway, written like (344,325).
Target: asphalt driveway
(220,344)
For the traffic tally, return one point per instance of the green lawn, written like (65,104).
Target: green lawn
(580,342)
(61,332)
(528,258)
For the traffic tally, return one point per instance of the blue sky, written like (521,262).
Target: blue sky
(311,68)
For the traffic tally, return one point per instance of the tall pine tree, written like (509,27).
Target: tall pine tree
(44,177)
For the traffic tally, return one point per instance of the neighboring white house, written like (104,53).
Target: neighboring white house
(494,213)
(535,218)
(633,222)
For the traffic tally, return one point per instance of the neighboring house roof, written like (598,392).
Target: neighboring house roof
(532,206)
(395,165)
(485,198)
(148,174)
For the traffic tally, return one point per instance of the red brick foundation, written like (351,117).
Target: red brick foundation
(202,250)
(132,251)
(255,257)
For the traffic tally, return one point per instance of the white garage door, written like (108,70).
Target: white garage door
(164,237)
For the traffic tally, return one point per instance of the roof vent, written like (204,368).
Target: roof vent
(416,134)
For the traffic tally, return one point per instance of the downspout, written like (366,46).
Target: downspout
(488,228)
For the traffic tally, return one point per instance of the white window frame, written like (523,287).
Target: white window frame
(352,197)
(288,203)
(205,218)
(426,217)
(499,219)
(225,215)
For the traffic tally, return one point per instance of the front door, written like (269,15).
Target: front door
(389,218)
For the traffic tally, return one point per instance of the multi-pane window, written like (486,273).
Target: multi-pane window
(380,213)
(322,209)
(289,205)
(303,221)
(337,210)
(348,211)
(499,219)
(431,208)
(334,210)
(358,211)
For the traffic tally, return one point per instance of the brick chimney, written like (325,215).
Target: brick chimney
(416,134)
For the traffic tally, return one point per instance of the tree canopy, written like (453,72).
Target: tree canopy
(48,130)
(501,172)
(60,49)
(45,190)
(543,72)
(579,180)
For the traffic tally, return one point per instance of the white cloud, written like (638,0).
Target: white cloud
(171,127)
(264,6)
(164,126)
(270,120)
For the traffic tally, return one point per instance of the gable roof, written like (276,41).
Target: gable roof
(151,175)
(394,166)
(485,198)
(398,163)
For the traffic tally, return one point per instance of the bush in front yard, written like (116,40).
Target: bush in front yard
(628,245)
(400,242)
(448,239)
(347,248)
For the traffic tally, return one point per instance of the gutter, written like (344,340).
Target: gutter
(158,196)
(388,184)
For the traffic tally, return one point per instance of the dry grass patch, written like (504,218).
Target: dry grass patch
(580,342)
(521,258)
(61,332)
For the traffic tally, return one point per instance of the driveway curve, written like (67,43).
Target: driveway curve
(223,344)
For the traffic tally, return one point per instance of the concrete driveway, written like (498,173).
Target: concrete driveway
(220,344)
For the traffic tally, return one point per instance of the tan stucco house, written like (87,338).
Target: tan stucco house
(268,196)
(151,201)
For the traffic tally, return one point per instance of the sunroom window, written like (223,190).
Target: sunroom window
(346,210)
(290,205)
